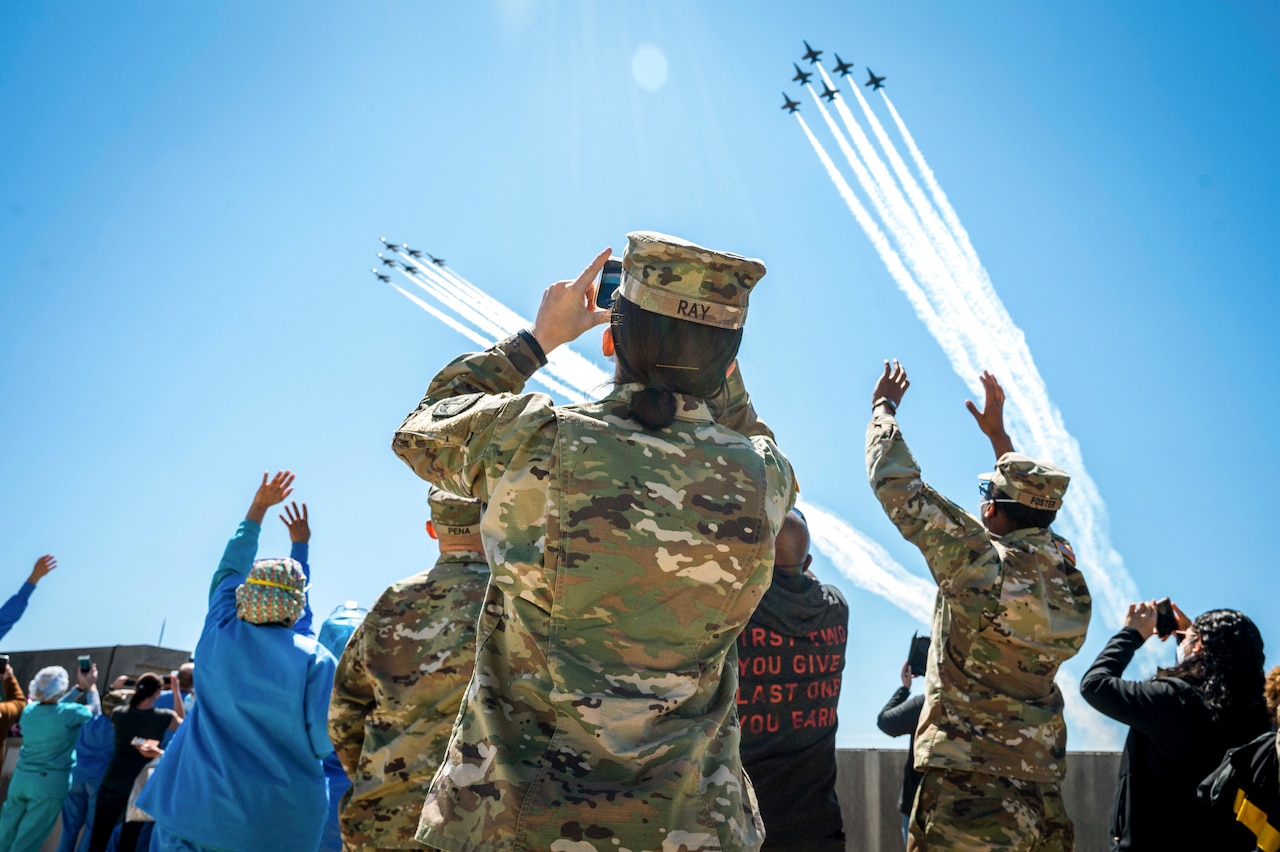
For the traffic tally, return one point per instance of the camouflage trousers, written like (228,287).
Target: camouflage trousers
(973,812)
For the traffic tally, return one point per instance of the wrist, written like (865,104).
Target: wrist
(540,341)
(886,403)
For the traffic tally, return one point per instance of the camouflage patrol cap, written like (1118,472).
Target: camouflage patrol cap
(677,278)
(453,515)
(1029,482)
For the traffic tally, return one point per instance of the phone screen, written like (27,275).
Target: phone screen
(610,281)
(1166,622)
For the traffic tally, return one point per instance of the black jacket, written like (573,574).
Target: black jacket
(901,716)
(1246,787)
(1172,745)
(790,661)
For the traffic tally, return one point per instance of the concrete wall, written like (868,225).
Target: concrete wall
(868,784)
(869,781)
(112,661)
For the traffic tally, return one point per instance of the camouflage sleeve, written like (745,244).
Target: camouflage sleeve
(351,701)
(733,408)
(950,538)
(456,433)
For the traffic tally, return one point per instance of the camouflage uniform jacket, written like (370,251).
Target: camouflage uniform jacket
(601,714)
(1010,610)
(396,694)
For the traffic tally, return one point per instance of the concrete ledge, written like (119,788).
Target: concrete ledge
(869,780)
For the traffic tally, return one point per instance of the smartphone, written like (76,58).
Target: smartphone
(918,656)
(86,663)
(173,679)
(4,661)
(1166,621)
(137,741)
(610,281)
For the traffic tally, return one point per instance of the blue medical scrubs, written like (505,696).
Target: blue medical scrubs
(335,633)
(43,774)
(94,748)
(243,773)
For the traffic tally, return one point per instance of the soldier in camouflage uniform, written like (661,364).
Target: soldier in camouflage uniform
(625,562)
(1011,608)
(400,682)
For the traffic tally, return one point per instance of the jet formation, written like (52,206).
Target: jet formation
(842,68)
(403,250)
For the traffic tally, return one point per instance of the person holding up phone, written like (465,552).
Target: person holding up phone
(50,727)
(900,718)
(1180,722)
(630,540)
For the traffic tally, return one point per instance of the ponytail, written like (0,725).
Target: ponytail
(653,408)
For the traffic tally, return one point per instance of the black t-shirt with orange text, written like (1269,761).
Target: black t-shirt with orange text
(790,660)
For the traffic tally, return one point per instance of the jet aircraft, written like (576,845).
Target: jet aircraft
(381,277)
(875,82)
(829,93)
(438,261)
(790,105)
(801,76)
(414,253)
(842,67)
(391,244)
(386,261)
(811,54)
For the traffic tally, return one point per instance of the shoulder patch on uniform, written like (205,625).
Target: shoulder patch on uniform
(454,405)
(1066,551)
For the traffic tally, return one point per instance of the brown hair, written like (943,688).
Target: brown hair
(148,685)
(1271,691)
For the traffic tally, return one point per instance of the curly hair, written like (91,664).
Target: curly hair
(1272,693)
(1228,671)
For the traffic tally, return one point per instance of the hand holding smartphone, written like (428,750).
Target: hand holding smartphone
(1166,621)
(610,282)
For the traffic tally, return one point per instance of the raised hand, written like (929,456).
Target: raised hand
(1142,618)
(43,566)
(87,680)
(907,674)
(269,493)
(891,385)
(991,417)
(296,521)
(569,307)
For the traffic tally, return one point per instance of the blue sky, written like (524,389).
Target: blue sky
(191,199)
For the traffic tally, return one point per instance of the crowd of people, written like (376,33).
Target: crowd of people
(623,645)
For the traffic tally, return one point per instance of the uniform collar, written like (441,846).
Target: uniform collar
(1027,538)
(687,407)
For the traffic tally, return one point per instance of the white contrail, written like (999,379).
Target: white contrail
(935,189)
(867,564)
(480,340)
(879,241)
(460,307)
(926,268)
(564,363)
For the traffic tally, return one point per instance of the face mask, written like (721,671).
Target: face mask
(1181,653)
